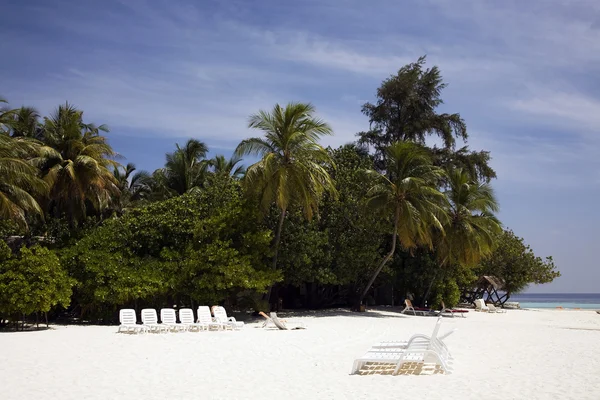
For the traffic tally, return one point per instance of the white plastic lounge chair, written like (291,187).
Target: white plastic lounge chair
(128,321)
(418,338)
(169,319)
(204,318)
(186,317)
(282,325)
(221,316)
(419,357)
(423,359)
(493,309)
(480,306)
(150,321)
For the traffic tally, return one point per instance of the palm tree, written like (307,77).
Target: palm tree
(223,167)
(292,170)
(186,167)
(20,184)
(472,225)
(25,123)
(133,187)
(76,164)
(409,193)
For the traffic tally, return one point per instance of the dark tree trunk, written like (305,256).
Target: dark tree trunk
(276,248)
(383,262)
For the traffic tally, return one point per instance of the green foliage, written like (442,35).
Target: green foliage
(355,233)
(515,263)
(292,169)
(203,246)
(5,251)
(33,281)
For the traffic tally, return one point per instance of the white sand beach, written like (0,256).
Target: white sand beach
(534,354)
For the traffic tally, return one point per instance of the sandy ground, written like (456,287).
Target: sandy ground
(517,355)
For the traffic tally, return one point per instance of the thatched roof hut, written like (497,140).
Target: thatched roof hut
(492,286)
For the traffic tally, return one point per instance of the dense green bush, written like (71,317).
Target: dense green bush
(32,281)
(201,247)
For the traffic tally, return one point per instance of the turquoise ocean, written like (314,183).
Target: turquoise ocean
(553,300)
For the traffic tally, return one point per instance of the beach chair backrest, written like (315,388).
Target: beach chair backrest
(278,323)
(149,316)
(408,303)
(220,314)
(436,329)
(168,316)
(480,304)
(127,316)
(204,315)
(186,316)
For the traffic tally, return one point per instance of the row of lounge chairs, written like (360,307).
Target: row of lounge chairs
(168,320)
(421,354)
(481,306)
(444,312)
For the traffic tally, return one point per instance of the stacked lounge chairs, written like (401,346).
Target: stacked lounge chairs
(168,320)
(421,354)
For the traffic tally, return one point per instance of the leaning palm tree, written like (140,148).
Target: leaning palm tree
(472,226)
(223,167)
(20,184)
(408,193)
(185,168)
(77,164)
(292,170)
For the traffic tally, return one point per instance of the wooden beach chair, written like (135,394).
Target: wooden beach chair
(408,307)
(282,324)
(128,322)
(150,321)
(204,318)
(186,317)
(221,316)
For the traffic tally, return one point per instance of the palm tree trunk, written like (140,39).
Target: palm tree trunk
(276,248)
(278,239)
(383,262)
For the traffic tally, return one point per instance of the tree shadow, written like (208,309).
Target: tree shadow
(372,312)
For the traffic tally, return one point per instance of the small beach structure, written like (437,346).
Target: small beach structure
(490,288)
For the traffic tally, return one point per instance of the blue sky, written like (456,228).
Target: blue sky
(524,76)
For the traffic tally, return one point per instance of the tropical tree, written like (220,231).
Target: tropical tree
(407,110)
(292,169)
(20,184)
(185,168)
(516,264)
(409,194)
(75,164)
(133,187)
(472,227)
(25,122)
(223,167)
